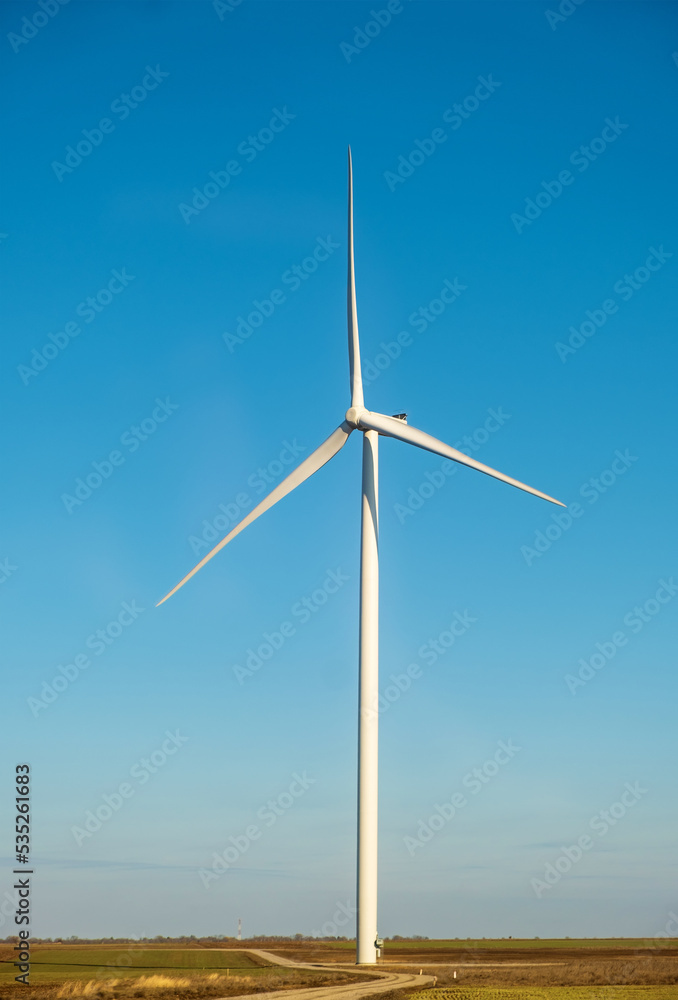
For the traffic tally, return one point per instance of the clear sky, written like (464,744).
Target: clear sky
(206,170)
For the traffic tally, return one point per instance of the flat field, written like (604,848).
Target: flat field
(550,993)
(617,969)
(515,962)
(535,948)
(67,971)
(49,962)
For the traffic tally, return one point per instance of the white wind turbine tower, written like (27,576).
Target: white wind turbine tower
(371,425)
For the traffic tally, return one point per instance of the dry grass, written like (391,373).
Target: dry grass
(90,989)
(156,986)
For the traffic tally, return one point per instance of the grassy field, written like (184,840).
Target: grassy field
(72,962)
(511,944)
(511,964)
(534,944)
(615,969)
(537,944)
(96,972)
(551,993)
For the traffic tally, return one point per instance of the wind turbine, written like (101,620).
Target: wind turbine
(371,425)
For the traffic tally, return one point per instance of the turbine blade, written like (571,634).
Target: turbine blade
(353,341)
(390,427)
(327,450)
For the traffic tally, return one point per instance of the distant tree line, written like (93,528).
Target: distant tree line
(192,939)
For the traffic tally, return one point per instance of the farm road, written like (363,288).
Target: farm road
(386,982)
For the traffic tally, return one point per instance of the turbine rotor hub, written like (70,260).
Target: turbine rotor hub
(353,415)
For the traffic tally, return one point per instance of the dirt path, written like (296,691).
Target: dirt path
(385,982)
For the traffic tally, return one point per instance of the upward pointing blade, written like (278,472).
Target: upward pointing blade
(353,342)
(327,450)
(404,432)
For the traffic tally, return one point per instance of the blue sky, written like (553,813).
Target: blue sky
(548,203)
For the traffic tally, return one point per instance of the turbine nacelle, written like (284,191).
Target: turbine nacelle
(354,417)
